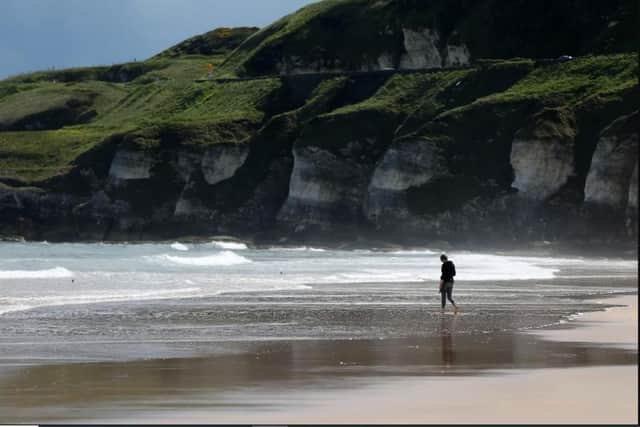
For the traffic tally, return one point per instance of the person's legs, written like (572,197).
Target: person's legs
(450,296)
(443,294)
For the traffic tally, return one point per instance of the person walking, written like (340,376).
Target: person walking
(446,281)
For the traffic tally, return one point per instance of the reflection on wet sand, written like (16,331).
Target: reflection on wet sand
(83,390)
(447,330)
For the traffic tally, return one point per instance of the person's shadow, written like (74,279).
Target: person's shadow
(447,331)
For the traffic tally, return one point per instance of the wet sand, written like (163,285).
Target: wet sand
(614,327)
(580,373)
(588,395)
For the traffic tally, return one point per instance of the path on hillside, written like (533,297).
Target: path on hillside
(539,62)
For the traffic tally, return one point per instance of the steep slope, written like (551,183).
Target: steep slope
(217,42)
(364,35)
(504,150)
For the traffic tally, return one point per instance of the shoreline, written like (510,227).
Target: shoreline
(548,395)
(615,326)
(621,250)
(548,381)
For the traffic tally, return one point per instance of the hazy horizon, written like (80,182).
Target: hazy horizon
(46,34)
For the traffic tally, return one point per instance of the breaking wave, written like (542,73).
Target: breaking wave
(220,259)
(179,246)
(51,273)
(234,246)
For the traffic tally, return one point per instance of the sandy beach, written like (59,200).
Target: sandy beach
(146,334)
(591,395)
(583,374)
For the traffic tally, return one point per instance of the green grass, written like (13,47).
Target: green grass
(269,34)
(164,101)
(320,98)
(165,104)
(367,28)
(44,97)
(32,156)
(114,73)
(571,82)
(350,34)
(218,102)
(590,79)
(217,42)
(185,68)
(404,93)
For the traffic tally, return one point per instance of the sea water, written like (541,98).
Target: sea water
(61,302)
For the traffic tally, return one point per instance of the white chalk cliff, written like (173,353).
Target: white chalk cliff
(609,182)
(404,165)
(129,164)
(542,160)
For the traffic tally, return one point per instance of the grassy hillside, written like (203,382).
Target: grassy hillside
(49,118)
(352,34)
(35,156)
(217,42)
(414,104)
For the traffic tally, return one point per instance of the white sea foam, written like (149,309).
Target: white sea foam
(299,248)
(8,305)
(415,252)
(179,246)
(219,259)
(51,273)
(15,304)
(233,246)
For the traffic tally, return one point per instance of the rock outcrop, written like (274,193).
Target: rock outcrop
(609,182)
(129,165)
(318,191)
(633,190)
(329,180)
(542,154)
(423,51)
(222,161)
(349,118)
(404,165)
(355,35)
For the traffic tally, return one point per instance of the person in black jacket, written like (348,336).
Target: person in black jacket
(446,281)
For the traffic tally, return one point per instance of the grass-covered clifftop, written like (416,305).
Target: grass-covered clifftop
(39,119)
(59,130)
(356,34)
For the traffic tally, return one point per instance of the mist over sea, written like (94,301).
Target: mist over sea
(100,302)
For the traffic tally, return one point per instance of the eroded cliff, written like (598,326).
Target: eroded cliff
(412,138)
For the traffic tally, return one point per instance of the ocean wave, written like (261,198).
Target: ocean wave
(415,252)
(220,259)
(234,246)
(298,248)
(179,246)
(51,273)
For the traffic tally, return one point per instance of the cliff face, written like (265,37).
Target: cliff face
(542,155)
(609,182)
(412,137)
(361,35)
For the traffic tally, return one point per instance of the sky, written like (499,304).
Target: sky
(45,34)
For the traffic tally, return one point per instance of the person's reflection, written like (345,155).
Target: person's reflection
(447,330)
